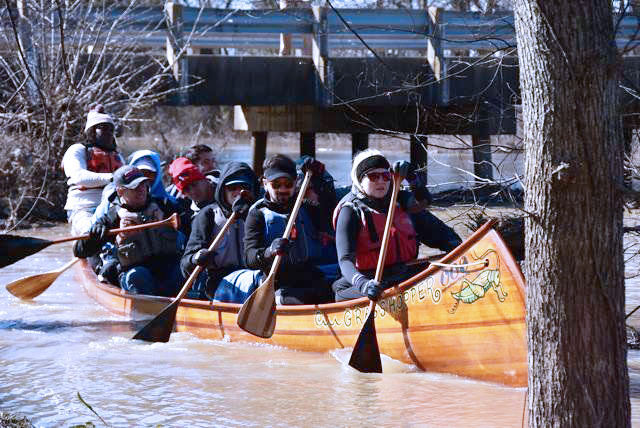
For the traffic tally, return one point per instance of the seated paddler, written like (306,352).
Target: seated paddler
(360,219)
(89,166)
(149,259)
(298,280)
(227,279)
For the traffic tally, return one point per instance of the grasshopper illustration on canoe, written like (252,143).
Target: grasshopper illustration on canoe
(476,289)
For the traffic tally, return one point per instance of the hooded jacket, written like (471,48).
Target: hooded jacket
(156,188)
(209,221)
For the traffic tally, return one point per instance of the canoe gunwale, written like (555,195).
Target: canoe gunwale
(326,307)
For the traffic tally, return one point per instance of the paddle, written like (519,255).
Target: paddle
(159,329)
(366,354)
(34,285)
(14,248)
(258,313)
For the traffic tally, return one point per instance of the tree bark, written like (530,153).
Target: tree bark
(574,171)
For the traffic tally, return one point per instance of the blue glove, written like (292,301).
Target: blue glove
(401,168)
(279,247)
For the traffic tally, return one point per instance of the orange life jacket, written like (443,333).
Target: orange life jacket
(403,246)
(99,160)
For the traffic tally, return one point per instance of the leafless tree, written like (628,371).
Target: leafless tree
(574,258)
(58,59)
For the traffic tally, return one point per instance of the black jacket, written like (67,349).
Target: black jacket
(209,220)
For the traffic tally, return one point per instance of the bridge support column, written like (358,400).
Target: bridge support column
(418,151)
(259,148)
(308,144)
(359,142)
(482,166)
(628,141)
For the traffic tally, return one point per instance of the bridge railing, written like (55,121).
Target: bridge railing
(401,29)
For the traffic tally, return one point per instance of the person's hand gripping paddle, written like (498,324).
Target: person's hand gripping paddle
(258,313)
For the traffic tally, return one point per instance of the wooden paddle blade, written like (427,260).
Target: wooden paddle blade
(32,286)
(14,248)
(159,329)
(258,313)
(366,354)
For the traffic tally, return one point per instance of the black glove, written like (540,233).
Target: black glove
(310,164)
(84,248)
(369,287)
(401,168)
(279,247)
(241,207)
(202,258)
(97,232)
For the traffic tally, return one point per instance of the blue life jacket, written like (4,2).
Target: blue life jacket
(302,244)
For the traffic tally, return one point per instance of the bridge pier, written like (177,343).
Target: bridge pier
(359,142)
(418,151)
(482,165)
(259,149)
(308,144)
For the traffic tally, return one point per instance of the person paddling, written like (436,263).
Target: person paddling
(149,259)
(227,279)
(359,219)
(298,280)
(89,167)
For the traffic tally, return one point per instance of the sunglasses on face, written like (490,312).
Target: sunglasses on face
(287,184)
(375,176)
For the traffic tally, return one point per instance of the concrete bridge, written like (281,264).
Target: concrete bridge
(355,71)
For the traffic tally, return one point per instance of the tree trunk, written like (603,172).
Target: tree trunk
(574,257)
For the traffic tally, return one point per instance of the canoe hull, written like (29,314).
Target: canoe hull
(464,321)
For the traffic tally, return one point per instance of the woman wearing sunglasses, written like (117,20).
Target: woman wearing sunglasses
(360,218)
(298,280)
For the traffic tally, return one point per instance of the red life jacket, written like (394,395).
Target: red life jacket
(99,160)
(403,246)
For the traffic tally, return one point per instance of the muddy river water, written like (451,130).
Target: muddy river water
(63,344)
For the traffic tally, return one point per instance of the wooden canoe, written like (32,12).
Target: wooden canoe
(464,321)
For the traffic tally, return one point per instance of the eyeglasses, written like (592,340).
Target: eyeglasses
(287,184)
(375,176)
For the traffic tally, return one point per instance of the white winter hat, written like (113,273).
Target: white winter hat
(365,161)
(97,116)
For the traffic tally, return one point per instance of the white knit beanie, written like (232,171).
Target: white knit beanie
(358,160)
(97,116)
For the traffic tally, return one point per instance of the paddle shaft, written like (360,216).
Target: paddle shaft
(387,227)
(196,271)
(172,221)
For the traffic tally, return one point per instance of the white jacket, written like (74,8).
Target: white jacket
(85,187)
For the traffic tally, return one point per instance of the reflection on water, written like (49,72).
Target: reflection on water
(63,343)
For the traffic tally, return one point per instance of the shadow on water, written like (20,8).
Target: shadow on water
(61,326)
